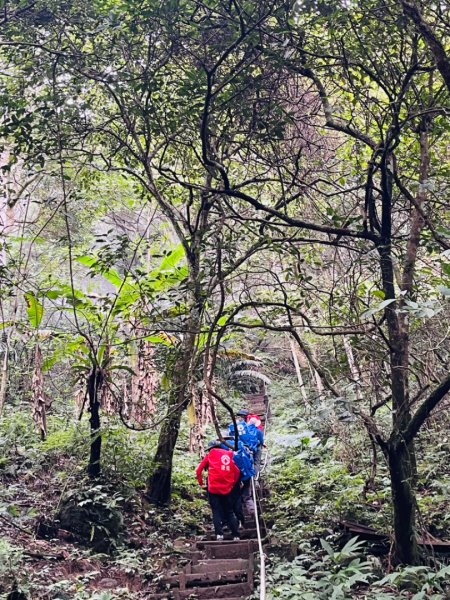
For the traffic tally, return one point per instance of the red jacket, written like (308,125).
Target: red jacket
(222,472)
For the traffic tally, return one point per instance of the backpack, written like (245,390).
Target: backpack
(244,462)
(241,427)
(251,438)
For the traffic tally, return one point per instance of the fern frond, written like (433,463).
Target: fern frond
(247,374)
(246,363)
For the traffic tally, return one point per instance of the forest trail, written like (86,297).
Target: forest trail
(223,569)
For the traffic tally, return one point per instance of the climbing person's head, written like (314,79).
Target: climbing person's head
(213,444)
(254,421)
(242,414)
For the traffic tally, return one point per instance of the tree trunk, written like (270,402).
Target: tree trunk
(401,457)
(95,381)
(406,550)
(301,383)
(354,370)
(159,483)
(38,399)
(3,375)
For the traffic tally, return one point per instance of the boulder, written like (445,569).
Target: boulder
(91,520)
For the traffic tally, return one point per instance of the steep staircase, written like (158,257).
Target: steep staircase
(222,569)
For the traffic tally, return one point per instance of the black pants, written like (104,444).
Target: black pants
(237,503)
(222,510)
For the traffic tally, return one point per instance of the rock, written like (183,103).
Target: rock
(93,522)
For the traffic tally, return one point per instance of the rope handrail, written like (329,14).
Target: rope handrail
(266,454)
(262,556)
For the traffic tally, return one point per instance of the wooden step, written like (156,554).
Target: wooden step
(249,533)
(252,397)
(211,565)
(260,412)
(217,577)
(236,550)
(236,590)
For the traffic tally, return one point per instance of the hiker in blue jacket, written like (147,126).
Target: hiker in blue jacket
(243,459)
(240,424)
(250,435)
(254,433)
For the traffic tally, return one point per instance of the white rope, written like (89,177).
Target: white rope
(262,558)
(266,453)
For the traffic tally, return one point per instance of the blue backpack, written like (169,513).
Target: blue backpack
(241,427)
(251,438)
(244,462)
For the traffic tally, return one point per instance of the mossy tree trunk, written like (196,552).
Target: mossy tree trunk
(159,482)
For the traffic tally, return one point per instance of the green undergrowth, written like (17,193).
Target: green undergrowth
(349,573)
(318,473)
(37,477)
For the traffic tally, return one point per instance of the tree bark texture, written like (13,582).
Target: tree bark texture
(95,381)
(406,550)
(202,412)
(143,384)
(159,483)
(400,456)
(38,399)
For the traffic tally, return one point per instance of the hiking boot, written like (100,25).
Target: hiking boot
(219,538)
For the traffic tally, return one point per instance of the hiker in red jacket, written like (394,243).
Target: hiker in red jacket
(223,474)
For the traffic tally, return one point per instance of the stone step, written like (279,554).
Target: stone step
(232,590)
(212,565)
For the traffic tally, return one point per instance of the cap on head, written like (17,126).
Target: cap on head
(213,444)
(242,413)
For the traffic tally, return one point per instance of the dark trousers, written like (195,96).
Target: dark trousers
(237,503)
(247,497)
(257,460)
(222,510)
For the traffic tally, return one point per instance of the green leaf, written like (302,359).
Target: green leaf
(35,310)
(110,274)
(158,339)
(326,546)
(378,294)
(377,308)
(444,290)
(172,259)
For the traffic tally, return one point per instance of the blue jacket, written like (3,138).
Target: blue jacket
(253,438)
(241,427)
(243,459)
